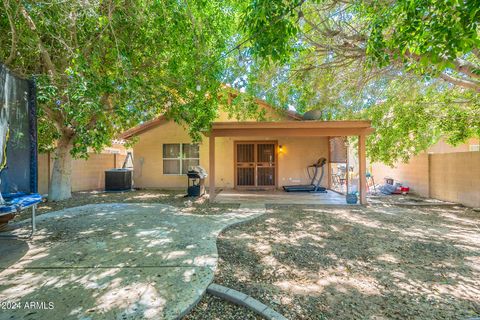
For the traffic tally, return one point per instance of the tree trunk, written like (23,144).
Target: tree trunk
(60,187)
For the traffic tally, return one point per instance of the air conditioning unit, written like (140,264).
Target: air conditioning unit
(118,180)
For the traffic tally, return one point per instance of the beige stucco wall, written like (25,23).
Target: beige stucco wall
(148,156)
(296,155)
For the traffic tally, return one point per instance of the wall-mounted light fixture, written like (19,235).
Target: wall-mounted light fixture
(280,148)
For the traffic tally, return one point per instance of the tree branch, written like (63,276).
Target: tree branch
(476,52)
(348,45)
(43,52)
(467,68)
(13,48)
(56,117)
(461,66)
(106,101)
(461,82)
(110,13)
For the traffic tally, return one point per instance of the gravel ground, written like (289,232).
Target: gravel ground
(174,198)
(307,262)
(212,308)
(382,262)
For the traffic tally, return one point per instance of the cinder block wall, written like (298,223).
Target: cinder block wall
(456,177)
(413,174)
(86,174)
(43,173)
(451,177)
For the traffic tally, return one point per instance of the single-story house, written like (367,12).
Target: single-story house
(240,154)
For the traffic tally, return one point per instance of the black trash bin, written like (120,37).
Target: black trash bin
(196,181)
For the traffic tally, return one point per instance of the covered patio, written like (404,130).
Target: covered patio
(278,197)
(289,129)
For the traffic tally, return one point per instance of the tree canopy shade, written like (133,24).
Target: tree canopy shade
(413,116)
(413,67)
(104,66)
(431,37)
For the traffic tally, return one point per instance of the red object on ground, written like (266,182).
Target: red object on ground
(402,190)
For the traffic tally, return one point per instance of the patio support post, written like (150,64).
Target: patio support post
(329,167)
(211,165)
(362,163)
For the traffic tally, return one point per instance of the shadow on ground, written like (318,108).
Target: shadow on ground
(175,198)
(112,261)
(11,251)
(382,262)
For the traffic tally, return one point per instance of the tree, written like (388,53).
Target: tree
(412,116)
(437,38)
(408,113)
(430,37)
(379,60)
(103,67)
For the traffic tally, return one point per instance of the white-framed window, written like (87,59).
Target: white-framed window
(179,157)
(474,147)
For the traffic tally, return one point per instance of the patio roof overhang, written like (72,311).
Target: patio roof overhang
(292,128)
(314,128)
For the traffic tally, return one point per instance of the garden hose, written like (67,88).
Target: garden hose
(3,164)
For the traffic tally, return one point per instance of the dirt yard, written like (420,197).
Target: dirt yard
(174,198)
(382,262)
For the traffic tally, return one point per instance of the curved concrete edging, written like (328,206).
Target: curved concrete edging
(200,297)
(242,299)
(235,296)
(216,223)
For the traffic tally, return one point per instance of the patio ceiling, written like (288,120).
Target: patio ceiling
(292,128)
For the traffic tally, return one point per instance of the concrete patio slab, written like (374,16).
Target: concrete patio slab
(280,197)
(113,261)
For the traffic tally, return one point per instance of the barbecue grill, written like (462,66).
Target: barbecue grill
(196,181)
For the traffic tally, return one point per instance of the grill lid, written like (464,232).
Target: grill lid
(197,172)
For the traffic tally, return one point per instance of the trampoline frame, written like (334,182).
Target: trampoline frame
(32,120)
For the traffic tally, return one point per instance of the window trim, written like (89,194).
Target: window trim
(180,158)
(474,147)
